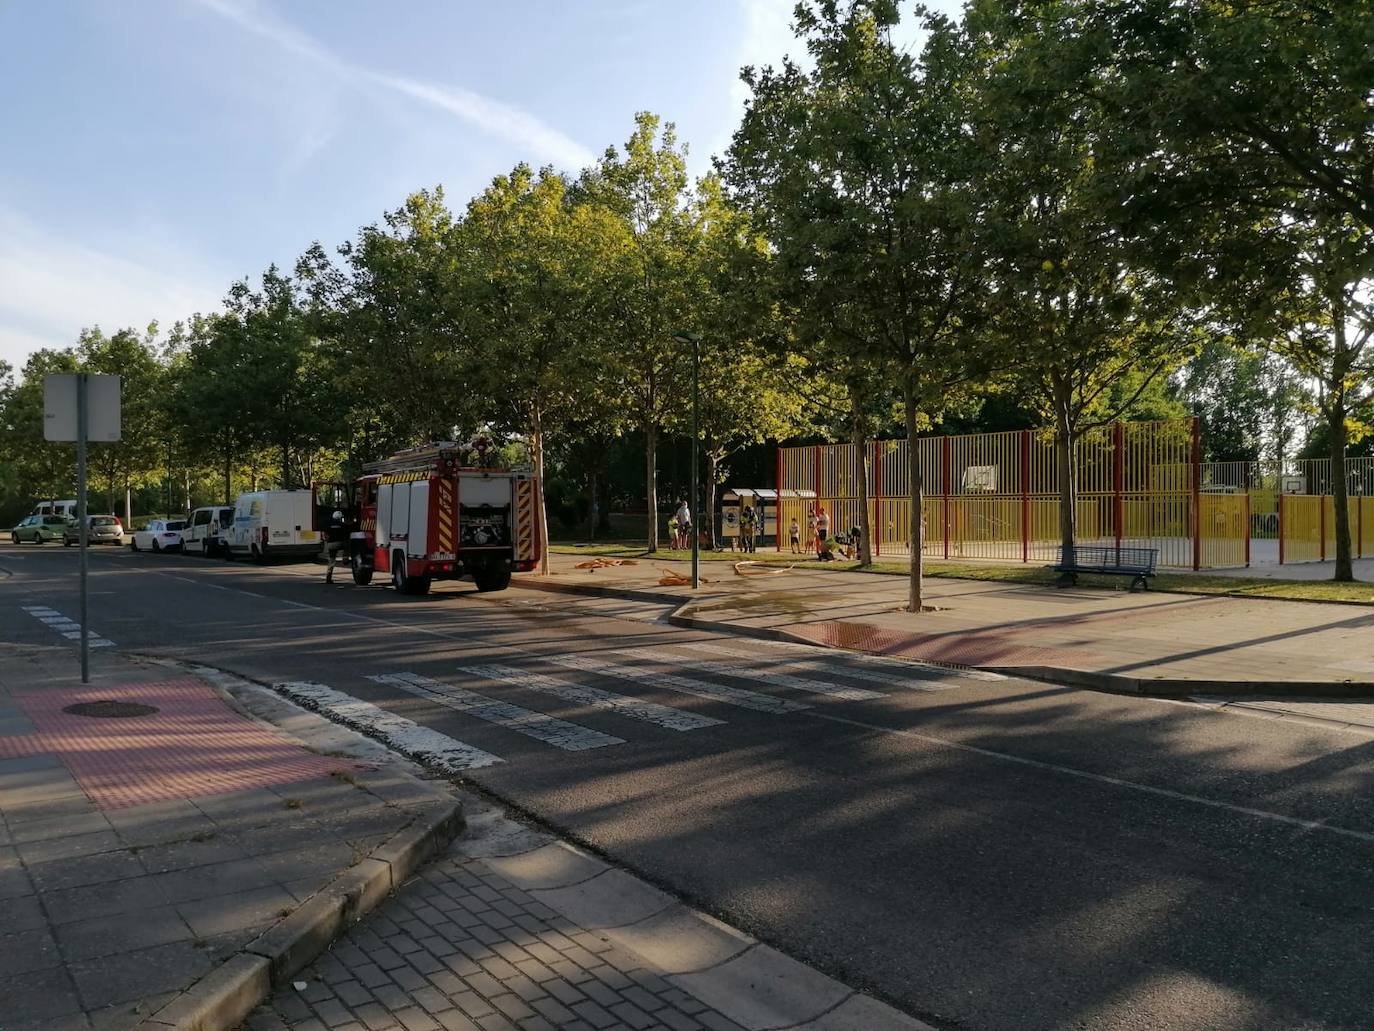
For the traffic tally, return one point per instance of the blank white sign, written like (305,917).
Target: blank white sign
(59,407)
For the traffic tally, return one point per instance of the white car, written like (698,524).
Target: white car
(159,535)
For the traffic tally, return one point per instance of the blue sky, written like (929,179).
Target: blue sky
(152,151)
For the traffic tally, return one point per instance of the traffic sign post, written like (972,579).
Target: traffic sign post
(81,406)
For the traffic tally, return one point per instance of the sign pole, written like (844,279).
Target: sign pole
(82,418)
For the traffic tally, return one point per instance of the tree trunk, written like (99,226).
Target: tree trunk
(285,466)
(915,496)
(593,511)
(865,552)
(1063,449)
(537,453)
(651,485)
(1336,426)
(228,478)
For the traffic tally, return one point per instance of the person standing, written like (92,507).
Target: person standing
(746,527)
(684,524)
(794,536)
(822,529)
(335,542)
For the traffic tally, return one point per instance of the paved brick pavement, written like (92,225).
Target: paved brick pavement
(462,948)
(115,897)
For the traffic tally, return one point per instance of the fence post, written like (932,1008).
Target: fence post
(1025,495)
(1118,478)
(1321,522)
(944,478)
(877,527)
(1197,493)
(777,538)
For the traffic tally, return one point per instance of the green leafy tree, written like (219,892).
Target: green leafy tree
(137,455)
(1087,329)
(645,186)
(529,282)
(858,172)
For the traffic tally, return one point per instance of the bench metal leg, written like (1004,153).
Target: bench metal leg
(1140,583)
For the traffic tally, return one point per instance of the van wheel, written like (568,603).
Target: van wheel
(66,542)
(205,548)
(14,538)
(491,578)
(156,546)
(259,555)
(133,545)
(362,572)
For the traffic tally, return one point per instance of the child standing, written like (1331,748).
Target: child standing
(794,536)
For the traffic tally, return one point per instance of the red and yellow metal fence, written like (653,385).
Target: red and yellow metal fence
(996,495)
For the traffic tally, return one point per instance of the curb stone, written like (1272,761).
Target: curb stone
(752,984)
(225,996)
(1091,680)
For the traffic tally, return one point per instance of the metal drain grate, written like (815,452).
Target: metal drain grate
(110,710)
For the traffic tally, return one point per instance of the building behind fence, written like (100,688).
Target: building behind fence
(1139,484)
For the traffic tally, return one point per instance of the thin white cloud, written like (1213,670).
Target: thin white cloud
(491,116)
(51,287)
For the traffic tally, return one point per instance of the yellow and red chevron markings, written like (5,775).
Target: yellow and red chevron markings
(524,520)
(445,519)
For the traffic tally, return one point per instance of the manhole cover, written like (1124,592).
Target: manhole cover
(109,709)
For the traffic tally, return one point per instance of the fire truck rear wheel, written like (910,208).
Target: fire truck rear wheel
(362,573)
(418,584)
(491,578)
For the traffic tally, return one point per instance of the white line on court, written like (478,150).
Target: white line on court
(542,727)
(406,736)
(622,705)
(683,685)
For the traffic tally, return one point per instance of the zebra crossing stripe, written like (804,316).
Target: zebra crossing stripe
(538,725)
(917,681)
(684,685)
(406,736)
(622,705)
(917,668)
(69,628)
(733,669)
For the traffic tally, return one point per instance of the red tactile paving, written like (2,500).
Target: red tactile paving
(194,745)
(989,648)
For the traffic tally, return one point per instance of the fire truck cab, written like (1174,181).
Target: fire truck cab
(424,516)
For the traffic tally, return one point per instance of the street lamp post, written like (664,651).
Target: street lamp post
(687,337)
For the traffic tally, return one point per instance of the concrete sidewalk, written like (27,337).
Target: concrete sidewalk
(164,852)
(1115,640)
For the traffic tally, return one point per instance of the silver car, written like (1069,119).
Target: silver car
(101,529)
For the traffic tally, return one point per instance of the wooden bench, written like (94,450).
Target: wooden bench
(1137,563)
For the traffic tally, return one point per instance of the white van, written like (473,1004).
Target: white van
(203,531)
(269,523)
(65,509)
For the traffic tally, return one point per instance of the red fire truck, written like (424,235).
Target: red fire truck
(424,516)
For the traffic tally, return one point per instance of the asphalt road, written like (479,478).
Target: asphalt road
(986,854)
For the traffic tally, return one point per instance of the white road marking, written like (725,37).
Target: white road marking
(540,726)
(1102,778)
(684,685)
(622,705)
(406,736)
(817,664)
(69,628)
(734,669)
